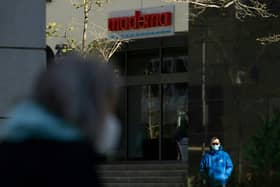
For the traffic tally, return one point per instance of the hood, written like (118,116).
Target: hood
(31,121)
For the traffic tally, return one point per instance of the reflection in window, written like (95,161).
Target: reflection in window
(144,62)
(175,60)
(143,122)
(175,100)
(147,62)
(118,62)
(175,64)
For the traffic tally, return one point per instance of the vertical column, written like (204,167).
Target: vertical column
(22,49)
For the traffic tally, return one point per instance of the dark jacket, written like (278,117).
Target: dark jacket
(182,130)
(216,167)
(39,149)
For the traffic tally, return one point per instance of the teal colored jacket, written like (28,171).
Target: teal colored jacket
(40,149)
(29,120)
(216,167)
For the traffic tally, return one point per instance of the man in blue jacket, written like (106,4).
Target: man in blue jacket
(216,165)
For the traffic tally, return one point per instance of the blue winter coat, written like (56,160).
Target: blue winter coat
(216,167)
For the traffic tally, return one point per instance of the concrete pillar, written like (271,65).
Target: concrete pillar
(22,49)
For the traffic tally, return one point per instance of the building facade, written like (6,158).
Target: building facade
(154,64)
(163,75)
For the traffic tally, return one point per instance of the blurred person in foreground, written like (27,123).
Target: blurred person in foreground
(53,138)
(216,165)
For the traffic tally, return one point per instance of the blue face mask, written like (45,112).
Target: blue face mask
(215,147)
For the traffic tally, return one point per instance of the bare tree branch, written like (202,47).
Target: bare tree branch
(251,8)
(104,46)
(229,4)
(254,9)
(269,39)
(94,40)
(85,24)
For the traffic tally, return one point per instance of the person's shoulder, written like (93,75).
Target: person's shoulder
(207,154)
(225,153)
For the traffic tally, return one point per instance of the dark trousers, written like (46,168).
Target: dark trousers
(209,185)
(216,186)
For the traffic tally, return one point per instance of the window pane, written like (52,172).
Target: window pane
(175,101)
(118,62)
(143,122)
(120,154)
(175,60)
(144,62)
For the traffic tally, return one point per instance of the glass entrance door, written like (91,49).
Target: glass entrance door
(152,120)
(155,91)
(175,101)
(143,122)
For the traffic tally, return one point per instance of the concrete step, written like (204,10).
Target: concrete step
(156,173)
(145,179)
(144,174)
(143,185)
(179,166)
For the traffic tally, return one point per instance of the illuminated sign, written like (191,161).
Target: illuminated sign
(143,23)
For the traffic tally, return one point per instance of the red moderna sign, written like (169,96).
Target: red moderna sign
(140,21)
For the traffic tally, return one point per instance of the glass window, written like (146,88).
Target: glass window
(118,61)
(143,62)
(143,122)
(174,60)
(121,114)
(175,100)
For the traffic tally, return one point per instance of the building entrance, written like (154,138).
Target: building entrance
(152,120)
(155,92)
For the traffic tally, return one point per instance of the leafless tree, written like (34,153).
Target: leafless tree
(104,46)
(250,8)
(243,9)
(93,40)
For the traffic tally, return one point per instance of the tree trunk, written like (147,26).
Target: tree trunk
(85,25)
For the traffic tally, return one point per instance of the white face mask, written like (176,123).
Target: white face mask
(109,137)
(215,147)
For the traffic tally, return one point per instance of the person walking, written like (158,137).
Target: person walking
(53,138)
(216,165)
(181,135)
